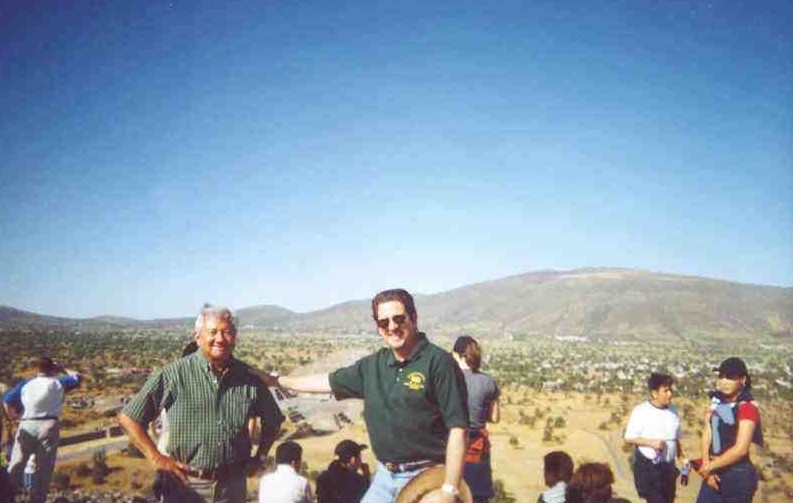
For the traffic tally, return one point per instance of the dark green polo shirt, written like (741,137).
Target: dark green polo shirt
(409,406)
(207,415)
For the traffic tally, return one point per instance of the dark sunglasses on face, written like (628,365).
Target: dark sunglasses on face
(398,319)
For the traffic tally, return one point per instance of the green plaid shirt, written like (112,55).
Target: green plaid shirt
(208,415)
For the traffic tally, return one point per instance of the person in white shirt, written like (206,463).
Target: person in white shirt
(557,471)
(285,485)
(39,431)
(654,429)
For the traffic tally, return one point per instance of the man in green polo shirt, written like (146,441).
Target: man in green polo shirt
(415,403)
(209,397)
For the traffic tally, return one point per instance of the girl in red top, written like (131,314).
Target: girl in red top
(732,423)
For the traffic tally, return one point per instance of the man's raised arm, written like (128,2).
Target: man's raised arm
(314,383)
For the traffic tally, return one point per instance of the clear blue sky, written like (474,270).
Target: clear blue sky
(156,155)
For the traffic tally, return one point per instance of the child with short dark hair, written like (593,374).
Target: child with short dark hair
(557,470)
(285,484)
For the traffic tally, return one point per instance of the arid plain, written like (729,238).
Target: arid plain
(571,395)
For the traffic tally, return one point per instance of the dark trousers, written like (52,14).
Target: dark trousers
(479,478)
(738,485)
(655,483)
(229,489)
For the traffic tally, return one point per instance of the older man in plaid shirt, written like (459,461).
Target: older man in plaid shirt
(209,397)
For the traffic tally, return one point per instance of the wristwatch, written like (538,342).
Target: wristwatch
(451,489)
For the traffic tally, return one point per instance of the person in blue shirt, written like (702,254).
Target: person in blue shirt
(37,403)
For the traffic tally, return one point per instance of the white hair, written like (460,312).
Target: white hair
(210,311)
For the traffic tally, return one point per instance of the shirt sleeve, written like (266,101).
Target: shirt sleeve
(69,382)
(634,427)
(450,391)
(347,382)
(145,406)
(14,397)
(496,390)
(748,410)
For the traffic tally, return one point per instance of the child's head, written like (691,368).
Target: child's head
(558,467)
(289,453)
(591,483)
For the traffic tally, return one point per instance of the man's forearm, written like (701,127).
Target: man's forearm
(138,436)
(455,456)
(704,444)
(314,383)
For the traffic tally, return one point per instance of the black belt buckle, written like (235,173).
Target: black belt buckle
(210,475)
(394,467)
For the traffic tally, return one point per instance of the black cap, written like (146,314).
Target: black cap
(732,367)
(347,449)
(461,343)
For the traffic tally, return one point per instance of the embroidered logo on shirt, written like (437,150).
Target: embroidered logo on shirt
(415,381)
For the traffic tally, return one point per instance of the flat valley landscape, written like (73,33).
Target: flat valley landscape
(571,351)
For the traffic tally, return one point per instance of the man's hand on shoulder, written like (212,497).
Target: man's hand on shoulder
(269,379)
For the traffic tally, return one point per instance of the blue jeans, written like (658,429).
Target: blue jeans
(386,485)
(738,485)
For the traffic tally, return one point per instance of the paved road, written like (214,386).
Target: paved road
(85,449)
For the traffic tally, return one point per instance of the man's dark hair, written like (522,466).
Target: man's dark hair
(559,464)
(288,453)
(45,365)
(657,379)
(397,294)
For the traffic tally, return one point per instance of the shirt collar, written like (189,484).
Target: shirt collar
(421,345)
(203,362)
(285,468)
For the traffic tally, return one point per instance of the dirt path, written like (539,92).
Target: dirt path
(612,441)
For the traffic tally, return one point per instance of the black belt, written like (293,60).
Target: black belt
(218,473)
(396,467)
(45,418)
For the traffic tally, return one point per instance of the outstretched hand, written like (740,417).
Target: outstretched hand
(271,379)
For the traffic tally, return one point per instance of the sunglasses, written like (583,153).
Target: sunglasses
(398,319)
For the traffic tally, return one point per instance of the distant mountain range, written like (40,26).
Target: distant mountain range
(599,301)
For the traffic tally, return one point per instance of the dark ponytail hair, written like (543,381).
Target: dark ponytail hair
(469,350)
